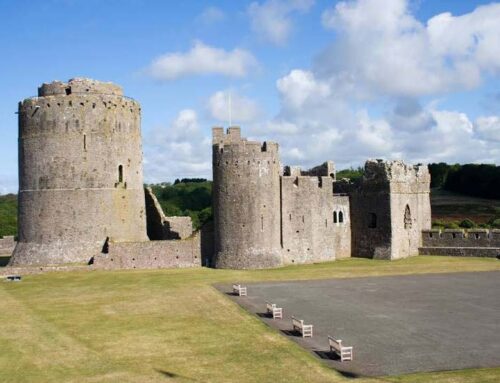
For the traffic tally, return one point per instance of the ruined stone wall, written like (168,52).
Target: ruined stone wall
(246,201)
(178,227)
(315,224)
(80,172)
(342,230)
(390,207)
(159,226)
(151,254)
(7,244)
(455,242)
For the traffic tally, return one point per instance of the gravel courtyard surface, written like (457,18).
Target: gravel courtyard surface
(397,325)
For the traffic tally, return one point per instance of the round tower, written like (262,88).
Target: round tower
(80,172)
(246,193)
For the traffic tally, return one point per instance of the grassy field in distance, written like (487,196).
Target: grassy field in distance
(172,325)
(451,207)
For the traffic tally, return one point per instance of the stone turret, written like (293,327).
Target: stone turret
(390,208)
(80,172)
(246,201)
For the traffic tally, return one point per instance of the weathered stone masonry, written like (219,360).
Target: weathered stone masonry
(80,172)
(320,219)
(466,243)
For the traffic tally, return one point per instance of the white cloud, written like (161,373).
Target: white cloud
(202,59)
(243,109)
(272,18)
(181,150)
(386,50)
(488,128)
(299,87)
(211,15)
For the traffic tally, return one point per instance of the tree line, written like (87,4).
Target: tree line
(477,180)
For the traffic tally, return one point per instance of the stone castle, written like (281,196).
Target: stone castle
(268,216)
(81,196)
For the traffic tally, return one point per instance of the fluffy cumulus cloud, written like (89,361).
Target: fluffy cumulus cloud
(202,59)
(386,50)
(363,96)
(272,19)
(180,150)
(229,105)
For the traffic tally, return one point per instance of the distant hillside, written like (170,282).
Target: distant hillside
(8,214)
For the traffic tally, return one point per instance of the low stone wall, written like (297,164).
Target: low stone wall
(463,243)
(461,238)
(7,244)
(151,254)
(489,252)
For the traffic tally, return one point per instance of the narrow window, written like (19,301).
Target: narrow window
(407,218)
(262,222)
(302,219)
(326,223)
(334,217)
(341,217)
(290,216)
(85,142)
(120,173)
(372,220)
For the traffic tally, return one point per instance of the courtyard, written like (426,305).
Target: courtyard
(396,324)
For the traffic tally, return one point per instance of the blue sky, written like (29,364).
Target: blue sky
(346,81)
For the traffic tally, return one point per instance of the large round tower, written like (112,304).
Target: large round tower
(246,192)
(80,172)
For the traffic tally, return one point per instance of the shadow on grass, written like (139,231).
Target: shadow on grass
(172,375)
(4,261)
(329,355)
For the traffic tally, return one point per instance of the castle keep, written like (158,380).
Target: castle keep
(80,172)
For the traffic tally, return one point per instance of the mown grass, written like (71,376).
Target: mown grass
(172,325)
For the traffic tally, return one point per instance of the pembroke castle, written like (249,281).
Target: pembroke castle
(82,200)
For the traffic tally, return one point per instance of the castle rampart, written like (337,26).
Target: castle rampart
(80,172)
(458,242)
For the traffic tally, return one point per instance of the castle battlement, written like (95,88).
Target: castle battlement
(395,171)
(79,85)
(232,142)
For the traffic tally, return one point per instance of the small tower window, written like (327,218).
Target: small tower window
(407,218)
(372,220)
(341,217)
(120,173)
(334,217)
(85,142)
(262,223)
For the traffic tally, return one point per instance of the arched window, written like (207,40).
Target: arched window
(341,217)
(120,173)
(372,220)
(334,217)
(407,218)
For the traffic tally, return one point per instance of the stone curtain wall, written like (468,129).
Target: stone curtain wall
(454,242)
(152,254)
(7,244)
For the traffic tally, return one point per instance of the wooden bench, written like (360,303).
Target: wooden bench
(345,353)
(13,278)
(305,329)
(276,312)
(240,290)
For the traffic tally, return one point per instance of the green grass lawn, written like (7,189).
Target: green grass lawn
(172,325)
